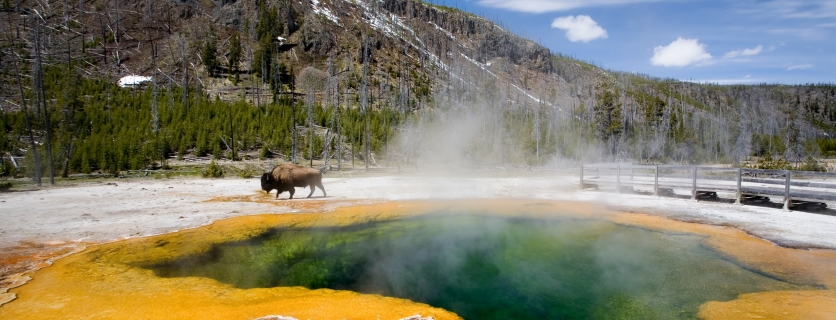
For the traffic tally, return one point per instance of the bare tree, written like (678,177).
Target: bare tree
(348,67)
(331,102)
(83,28)
(32,145)
(104,39)
(293,147)
(116,34)
(184,63)
(39,87)
(155,114)
(364,100)
(67,32)
(312,81)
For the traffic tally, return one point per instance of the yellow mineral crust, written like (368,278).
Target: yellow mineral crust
(106,281)
(809,267)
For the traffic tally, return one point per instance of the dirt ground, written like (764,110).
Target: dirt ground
(39,226)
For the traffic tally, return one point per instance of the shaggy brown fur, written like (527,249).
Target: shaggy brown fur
(287,177)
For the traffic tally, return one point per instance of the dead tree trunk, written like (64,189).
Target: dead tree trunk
(32,144)
(293,119)
(116,35)
(104,39)
(83,28)
(365,102)
(39,87)
(185,81)
(155,114)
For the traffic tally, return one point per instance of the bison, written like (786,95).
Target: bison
(287,177)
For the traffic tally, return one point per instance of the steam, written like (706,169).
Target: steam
(478,119)
(519,268)
(459,137)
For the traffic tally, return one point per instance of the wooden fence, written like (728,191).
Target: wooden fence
(795,187)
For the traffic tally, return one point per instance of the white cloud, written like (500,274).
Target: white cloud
(743,52)
(679,53)
(580,28)
(799,67)
(540,6)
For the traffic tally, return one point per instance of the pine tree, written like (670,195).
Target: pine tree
(209,55)
(608,117)
(234,57)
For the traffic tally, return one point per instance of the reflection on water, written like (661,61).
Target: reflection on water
(489,267)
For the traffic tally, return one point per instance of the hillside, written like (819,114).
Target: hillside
(404,80)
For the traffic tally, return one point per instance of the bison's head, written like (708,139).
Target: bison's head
(266,182)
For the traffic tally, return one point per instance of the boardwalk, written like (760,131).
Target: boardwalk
(794,188)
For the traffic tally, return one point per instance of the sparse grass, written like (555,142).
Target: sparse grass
(213,170)
(248,171)
(439,7)
(582,64)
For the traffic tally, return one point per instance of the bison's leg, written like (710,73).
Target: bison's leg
(319,183)
(292,191)
(313,188)
(278,192)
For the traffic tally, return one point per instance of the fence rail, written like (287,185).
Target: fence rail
(796,187)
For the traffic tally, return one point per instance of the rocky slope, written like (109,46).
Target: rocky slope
(418,56)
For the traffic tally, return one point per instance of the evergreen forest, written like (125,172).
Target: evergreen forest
(282,81)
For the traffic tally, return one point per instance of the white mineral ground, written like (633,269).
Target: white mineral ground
(117,209)
(71,217)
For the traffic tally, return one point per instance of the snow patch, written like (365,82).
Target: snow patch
(393,26)
(133,81)
(484,67)
(448,33)
(324,11)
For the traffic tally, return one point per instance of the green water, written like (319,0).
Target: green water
(486,267)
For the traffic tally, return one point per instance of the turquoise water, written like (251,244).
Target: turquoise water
(489,267)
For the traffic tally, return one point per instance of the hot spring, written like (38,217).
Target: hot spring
(488,266)
(486,259)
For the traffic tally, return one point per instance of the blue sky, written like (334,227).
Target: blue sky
(717,41)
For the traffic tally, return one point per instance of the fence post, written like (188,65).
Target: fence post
(581,177)
(694,185)
(787,191)
(656,180)
(739,186)
(618,178)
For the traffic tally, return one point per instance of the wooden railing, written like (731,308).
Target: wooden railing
(795,187)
